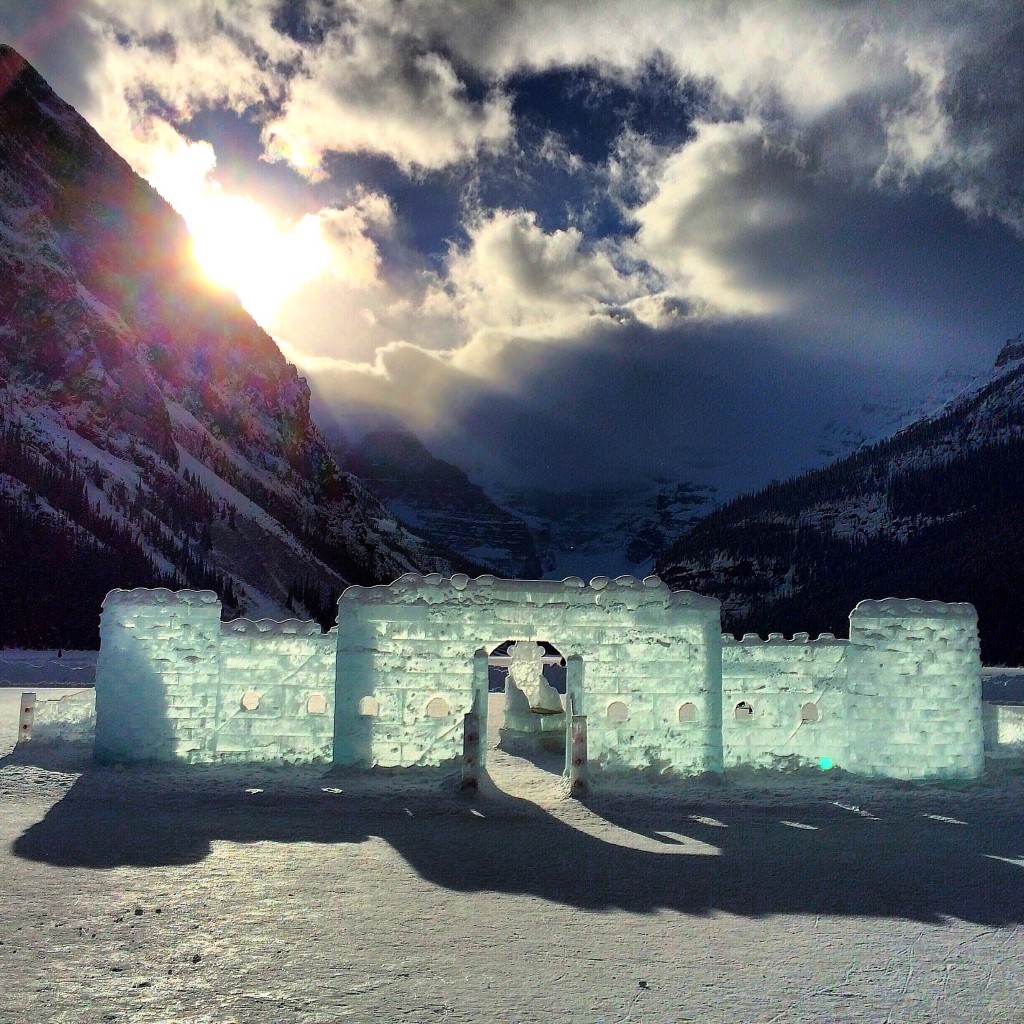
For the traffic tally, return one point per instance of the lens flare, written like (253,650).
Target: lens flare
(237,242)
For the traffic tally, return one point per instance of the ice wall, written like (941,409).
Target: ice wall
(784,701)
(276,692)
(173,684)
(157,676)
(69,719)
(660,687)
(914,700)
(900,699)
(405,666)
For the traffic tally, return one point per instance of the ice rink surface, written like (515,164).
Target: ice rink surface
(207,895)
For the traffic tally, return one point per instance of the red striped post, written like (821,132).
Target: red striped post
(26,717)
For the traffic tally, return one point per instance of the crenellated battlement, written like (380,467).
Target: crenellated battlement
(601,591)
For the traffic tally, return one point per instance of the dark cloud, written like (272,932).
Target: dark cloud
(985,103)
(727,406)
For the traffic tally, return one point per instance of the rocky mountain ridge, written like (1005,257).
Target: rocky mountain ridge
(606,531)
(150,431)
(439,501)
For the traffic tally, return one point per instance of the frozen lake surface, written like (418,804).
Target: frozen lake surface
(47,668)
(207,895)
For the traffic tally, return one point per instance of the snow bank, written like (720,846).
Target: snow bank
(1004,730)
(32,669)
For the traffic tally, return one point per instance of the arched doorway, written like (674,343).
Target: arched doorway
(526,693)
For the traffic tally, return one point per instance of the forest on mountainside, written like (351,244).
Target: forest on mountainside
(60,552)
(947,530)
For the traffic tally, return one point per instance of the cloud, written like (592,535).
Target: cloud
(809,56)
(406,382)
(510,282)
(982,98)
(935,85)
(841,200)
(150,66)
(346,231)
(741,226)
(716,196)
(362,88)
(515,277)
(346,319)
(725,405)
(422,82)
(365,89)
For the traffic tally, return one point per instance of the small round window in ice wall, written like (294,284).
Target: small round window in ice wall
(809,713)
(250,700)
(369,707)
(687,713)
(437,707)
(317,704)
(617,711)
(743,711)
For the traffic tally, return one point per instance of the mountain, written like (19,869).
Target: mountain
(440,502)
(605,531)
(932,512)
(521,532)
(885,412)
(150,432)
(623,528)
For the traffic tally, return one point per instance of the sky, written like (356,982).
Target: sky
(574,243)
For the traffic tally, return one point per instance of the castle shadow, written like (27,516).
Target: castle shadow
(810,858)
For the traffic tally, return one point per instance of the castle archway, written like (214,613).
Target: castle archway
(528,720)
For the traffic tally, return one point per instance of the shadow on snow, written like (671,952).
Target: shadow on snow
(826,860)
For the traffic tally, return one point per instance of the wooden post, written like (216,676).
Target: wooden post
(474,726)
(578,756)
(27,717)
(471,751)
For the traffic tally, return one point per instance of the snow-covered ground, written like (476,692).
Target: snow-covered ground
(272,896)
(46,668)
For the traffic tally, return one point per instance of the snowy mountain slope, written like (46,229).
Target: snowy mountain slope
(173,440)
(931,512)
(886,413)
(522,532)
(623,529)
(439,501)
(606,531)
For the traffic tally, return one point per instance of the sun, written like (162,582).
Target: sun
(241,246)
(238,243)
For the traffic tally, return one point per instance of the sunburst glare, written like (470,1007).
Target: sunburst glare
(238,242)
